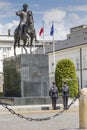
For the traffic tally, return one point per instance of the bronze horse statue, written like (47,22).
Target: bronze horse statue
(27,36)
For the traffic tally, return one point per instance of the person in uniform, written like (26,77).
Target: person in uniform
(65,95)
(53,93)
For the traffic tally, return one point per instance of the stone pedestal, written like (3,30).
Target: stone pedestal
(83,109)
(27,76)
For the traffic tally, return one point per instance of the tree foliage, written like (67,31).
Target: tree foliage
(65,72)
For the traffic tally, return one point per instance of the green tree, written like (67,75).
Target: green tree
(65,72)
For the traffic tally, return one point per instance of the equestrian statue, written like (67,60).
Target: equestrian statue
(25,30)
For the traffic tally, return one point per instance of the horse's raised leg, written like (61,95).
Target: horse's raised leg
(18,43)
(31,39)
(25,49)
(30,49)
(14,48)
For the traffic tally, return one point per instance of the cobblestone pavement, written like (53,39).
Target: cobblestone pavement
(67,120)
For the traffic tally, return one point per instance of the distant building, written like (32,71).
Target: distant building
(6,49)
(73,48)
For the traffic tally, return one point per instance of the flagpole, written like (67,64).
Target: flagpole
(43,39)
(53,50)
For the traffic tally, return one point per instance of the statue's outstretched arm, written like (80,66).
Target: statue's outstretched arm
(19,13)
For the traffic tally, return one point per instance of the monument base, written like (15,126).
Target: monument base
(31,100)
(26,75)
(28,100)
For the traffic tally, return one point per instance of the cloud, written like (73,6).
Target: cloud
(63,21)
(57,17)
(77,8)
(54,15)
(11,26)
(4,5)
(6,10)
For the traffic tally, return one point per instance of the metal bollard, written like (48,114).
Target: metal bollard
(83,109)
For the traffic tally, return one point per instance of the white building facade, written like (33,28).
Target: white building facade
(75,49)
(6,50)
(78,55)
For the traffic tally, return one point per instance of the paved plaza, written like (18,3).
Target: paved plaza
(67,120)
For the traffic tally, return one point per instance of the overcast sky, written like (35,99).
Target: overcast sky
(64,13)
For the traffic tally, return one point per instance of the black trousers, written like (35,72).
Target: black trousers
(65,102)
(54,100)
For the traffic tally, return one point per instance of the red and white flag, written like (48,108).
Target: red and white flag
(41,31)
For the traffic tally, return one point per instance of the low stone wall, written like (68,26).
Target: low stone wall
(29,100)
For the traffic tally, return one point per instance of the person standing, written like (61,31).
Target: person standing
(53,93)
(65,95)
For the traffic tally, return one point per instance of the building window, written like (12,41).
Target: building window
(51,67)
(85,83)
(4,49)
(4,56)
(9,48)
(85,62)
(77,63)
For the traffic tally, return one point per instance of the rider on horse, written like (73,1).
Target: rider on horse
(24,16)
(25,30)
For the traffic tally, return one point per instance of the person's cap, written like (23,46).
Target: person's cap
(25,5)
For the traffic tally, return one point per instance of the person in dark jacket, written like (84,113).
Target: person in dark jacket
(65,95)
(53,93)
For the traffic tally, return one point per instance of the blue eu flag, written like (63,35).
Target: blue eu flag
(52,30)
